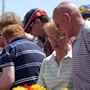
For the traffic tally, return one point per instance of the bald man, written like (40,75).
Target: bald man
(68,18)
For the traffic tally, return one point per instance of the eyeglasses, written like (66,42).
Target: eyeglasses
(56,38)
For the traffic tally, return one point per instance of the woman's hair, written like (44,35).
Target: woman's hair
(9,18)
(50,27)
(12,31)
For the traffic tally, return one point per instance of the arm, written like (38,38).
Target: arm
(8,77)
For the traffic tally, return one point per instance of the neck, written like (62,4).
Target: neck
(62,54)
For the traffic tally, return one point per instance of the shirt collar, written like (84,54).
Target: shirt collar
(69,54)
(52,57)
(18,38)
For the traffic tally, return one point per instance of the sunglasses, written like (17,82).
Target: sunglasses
(30,27)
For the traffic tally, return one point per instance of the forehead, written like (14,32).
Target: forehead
(52,34)
(57,16)
(56,34)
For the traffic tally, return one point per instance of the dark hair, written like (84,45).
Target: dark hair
(44,19)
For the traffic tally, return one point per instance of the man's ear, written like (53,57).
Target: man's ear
(67,17)
(37,21)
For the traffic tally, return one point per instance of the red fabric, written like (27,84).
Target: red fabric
(47,48)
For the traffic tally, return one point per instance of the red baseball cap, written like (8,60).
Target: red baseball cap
(32,15)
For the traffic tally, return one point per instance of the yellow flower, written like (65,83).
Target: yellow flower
(27,87)
(37,87)
(64,89)
(42,88)
(19,88)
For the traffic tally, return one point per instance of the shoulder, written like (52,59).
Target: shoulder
(50,58)
(86,26)
(85,30)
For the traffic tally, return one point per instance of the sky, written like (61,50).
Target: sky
(21,7)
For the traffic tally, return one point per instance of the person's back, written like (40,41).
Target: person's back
(25,56)
(29,58)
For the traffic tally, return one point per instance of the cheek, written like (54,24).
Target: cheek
(61,27)
(34,31)
(54,43)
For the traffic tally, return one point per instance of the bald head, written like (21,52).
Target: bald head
(67,7)
(67,16)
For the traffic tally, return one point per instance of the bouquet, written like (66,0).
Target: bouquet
(27,87)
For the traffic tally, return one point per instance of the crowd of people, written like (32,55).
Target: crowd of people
(52,52)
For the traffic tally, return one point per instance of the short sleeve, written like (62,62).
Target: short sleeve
(7,56)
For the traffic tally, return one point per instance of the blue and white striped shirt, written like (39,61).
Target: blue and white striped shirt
(26,56)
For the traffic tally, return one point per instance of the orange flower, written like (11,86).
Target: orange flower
(28,87)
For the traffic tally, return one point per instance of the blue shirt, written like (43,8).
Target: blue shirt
(26,56)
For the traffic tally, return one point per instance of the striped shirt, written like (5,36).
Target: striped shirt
(54,76)
(81,58)
(26,56)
